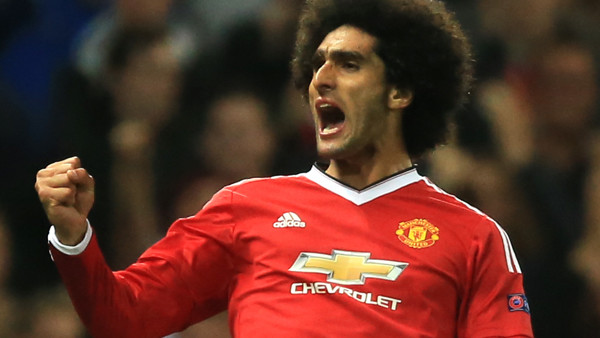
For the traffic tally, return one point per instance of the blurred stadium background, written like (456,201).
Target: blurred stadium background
(166,101)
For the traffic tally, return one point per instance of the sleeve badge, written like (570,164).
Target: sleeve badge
(518,302)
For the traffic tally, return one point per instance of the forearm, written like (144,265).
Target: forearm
(88,279)
(111,305)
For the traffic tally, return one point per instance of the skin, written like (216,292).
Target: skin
(365,148)
(368,146)
(66,191)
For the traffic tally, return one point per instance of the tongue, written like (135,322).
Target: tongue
(332,120)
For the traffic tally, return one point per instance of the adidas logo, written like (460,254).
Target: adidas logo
(289,220)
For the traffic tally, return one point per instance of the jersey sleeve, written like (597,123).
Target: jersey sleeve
(182,279)
(495,304)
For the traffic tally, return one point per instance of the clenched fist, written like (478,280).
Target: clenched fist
(66,191)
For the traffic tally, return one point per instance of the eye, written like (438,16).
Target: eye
(350,66)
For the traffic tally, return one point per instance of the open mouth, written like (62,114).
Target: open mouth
(331,117)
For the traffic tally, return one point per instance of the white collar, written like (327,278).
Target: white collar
(369,193)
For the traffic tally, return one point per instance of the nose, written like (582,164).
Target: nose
(323,77)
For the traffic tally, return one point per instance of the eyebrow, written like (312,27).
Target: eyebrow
(338,55)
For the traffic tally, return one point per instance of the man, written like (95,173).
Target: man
(363,246)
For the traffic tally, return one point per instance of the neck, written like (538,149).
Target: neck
(360,173)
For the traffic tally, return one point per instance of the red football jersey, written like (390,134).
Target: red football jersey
(307,256)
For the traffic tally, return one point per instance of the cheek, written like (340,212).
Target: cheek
(312,93)
(367,101)
(311,103)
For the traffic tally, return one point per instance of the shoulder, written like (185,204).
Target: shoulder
(254,186)
(486,235)
(260,189)
(450,204)
(471,223)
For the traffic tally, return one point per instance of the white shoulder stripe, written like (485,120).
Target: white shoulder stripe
(509,253)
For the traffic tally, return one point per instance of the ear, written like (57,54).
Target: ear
(399,98)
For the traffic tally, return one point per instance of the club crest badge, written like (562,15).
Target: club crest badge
(418,233)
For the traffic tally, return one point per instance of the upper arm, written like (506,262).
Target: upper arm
(491,306)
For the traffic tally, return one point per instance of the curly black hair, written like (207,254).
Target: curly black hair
(424,50)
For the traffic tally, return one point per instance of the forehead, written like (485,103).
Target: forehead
(348,38)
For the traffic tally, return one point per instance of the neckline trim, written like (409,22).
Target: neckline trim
(373,191)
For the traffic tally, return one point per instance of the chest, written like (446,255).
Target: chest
(392,247)
(384,265)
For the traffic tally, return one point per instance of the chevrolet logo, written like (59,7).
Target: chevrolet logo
(347,267)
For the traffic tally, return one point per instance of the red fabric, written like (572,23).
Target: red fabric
(231,255)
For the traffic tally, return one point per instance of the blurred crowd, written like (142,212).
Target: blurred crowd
(166,101)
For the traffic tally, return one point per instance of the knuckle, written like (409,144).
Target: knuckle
(42,173)
(43,193)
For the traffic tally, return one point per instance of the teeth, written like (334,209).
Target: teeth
(329,129)
(325,105)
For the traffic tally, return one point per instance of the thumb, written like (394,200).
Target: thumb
(85,188)
(81,179)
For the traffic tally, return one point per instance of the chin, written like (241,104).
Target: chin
(333,153)
(327,154)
